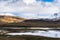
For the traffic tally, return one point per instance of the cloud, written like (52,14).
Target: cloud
(32,9)
(7,14)
(29,1)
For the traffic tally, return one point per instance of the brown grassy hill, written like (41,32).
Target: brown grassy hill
(6,20)
(10,21)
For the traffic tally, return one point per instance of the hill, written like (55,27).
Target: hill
(6,20)
(42,23)
(11,21)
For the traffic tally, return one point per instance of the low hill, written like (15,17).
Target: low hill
(41,23)
(6,20)
(10,21)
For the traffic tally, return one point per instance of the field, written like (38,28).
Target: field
(25,38)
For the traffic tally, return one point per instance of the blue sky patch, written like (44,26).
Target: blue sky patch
(48,0)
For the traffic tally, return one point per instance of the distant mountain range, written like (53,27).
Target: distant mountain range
(13,21)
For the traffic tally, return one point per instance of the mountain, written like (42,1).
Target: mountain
(13,21)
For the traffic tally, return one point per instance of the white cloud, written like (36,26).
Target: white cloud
(32,9)
(7,14)
(28,1)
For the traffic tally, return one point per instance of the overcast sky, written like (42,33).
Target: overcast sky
(30,8)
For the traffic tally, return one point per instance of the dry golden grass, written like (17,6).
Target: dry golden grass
(10,19)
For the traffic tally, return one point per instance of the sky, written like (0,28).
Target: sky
(31,9)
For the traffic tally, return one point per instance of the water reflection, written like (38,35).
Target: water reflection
(49,33)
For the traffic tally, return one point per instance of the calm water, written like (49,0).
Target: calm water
(49,33)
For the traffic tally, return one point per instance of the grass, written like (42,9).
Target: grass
(26,38)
